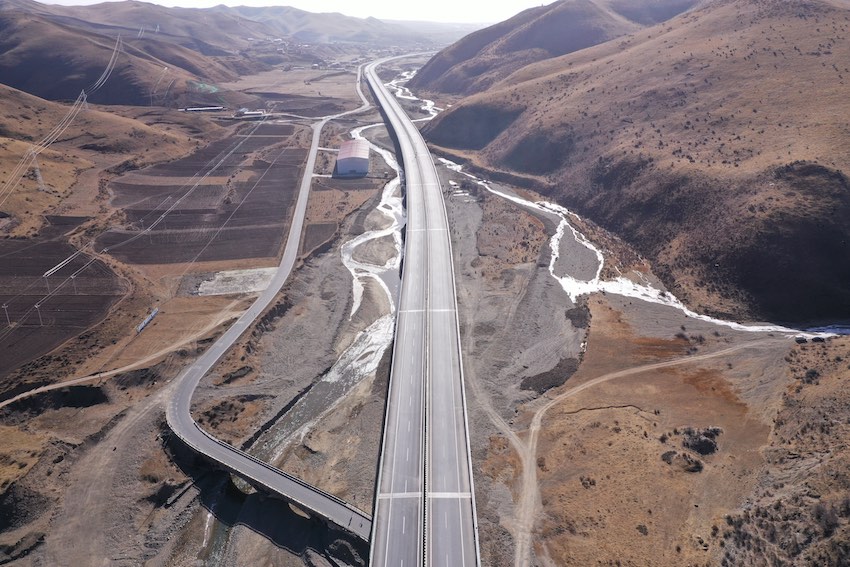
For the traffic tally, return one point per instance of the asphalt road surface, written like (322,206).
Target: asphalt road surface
(258,473)
(425,507)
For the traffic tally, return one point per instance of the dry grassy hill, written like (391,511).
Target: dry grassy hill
(70,59)
(716,143)
(70,46)
(309,27)
(94,140)
(483,58)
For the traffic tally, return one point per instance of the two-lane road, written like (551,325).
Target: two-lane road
(178,410)
(425,507)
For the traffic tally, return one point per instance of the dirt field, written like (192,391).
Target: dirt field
(307,92)
(239,212)
(649,447)
(637,426)
(72,308)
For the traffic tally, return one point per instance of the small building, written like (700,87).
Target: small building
(353,159)
(245,113)
(202,109)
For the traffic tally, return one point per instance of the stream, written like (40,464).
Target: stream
(360,360)
(572,274)
(576,287)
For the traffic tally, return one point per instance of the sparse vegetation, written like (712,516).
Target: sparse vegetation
(700,143)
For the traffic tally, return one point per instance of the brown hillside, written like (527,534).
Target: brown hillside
(210,32)
(714,142)
(69,60)
(93,137)
(483,58)
(71,46)
(309,27)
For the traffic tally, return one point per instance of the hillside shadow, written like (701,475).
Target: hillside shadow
(267,516)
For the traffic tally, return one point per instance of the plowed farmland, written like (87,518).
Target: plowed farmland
(67,305)
(231,200)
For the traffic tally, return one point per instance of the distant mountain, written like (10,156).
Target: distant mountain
(716,143)
(173,55)
(440,33)
(309,27)
(209,32)
(487,56)
(56,51)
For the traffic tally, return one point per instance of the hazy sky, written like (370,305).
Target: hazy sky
(433,10)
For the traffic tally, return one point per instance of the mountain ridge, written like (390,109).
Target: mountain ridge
(699,142)
(488,56)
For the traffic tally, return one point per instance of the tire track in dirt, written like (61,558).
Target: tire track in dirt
(525,444)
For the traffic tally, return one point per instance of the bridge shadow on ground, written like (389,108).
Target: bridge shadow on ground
(267,516)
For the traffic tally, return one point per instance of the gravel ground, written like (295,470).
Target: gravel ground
(509,333)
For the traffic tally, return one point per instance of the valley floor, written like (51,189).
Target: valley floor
(604,428)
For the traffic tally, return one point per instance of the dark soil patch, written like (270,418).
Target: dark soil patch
(136,378)
(77,305)
(163,494)
(21,388)
(551,379)
(71,397)
(702,441)
(22,548)
(682,461)
(316,235)
(579,316)
(19,506)
(237,374)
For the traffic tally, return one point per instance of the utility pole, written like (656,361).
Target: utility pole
(6,309)
(47,281)
(38,176)
(74,281)
(38,310)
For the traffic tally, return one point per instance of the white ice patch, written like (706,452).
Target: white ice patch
(391,207)
(403,92)
(621,286)
(238,281)
(363,356)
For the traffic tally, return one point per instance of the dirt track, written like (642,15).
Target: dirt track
(525,443)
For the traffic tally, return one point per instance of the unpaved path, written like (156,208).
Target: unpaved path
(94,525)
(226,314)
(529,497)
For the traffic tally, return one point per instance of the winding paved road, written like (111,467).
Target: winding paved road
(425,506)
(256,472)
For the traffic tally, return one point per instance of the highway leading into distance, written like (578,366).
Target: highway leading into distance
(258,473)
(425,503)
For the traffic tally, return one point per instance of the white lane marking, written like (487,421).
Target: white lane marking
(446,516)
(408,426)
(395,495)
(410,401)
(404,523)
(408,454)
(450,495)
(428,310)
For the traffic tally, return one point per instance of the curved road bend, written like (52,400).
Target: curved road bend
(425,504)
(256,472)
